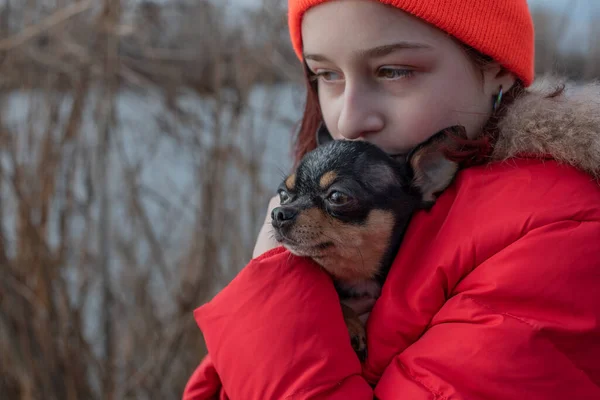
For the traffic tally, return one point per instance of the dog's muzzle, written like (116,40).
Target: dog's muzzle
(283,217)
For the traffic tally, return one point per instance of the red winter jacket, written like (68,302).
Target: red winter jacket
(494,294)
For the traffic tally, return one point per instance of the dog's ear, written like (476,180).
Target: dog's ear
(322,135)
(432,170)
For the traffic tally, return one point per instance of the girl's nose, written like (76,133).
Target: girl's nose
(359,115)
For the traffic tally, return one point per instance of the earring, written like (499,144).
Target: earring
(322,135)
(498,99)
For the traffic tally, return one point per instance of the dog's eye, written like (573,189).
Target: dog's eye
(338,198)
(284,197)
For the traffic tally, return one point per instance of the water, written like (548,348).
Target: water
(159,155)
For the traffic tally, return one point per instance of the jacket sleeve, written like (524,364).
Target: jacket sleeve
(204,384)
(524,324)
(277,332)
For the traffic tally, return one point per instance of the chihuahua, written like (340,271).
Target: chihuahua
(347,206)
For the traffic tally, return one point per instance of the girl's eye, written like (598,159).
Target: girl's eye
(394,73)
(328,76)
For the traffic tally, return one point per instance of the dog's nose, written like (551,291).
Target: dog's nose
(280,215)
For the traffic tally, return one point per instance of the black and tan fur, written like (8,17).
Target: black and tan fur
(540,123)
(347,206)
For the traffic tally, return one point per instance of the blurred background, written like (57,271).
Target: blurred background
(139,144)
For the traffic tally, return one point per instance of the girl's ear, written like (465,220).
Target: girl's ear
(495,76)
(432,170)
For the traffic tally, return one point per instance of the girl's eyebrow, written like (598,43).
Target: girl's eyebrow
(376,52)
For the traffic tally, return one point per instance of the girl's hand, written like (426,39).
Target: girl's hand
(265,241)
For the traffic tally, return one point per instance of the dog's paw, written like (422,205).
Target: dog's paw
(356,329)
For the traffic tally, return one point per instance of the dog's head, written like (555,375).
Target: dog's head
(348,200)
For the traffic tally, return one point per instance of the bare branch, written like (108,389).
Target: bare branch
(45,25)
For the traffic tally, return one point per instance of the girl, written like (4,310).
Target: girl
(494,293)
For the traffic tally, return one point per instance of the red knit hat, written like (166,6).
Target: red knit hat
(501,29)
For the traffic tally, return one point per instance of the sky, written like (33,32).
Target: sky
(582,14)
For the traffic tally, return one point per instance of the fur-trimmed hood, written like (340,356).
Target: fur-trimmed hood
(565,127)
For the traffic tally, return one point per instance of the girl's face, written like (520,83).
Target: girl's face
(389,78)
